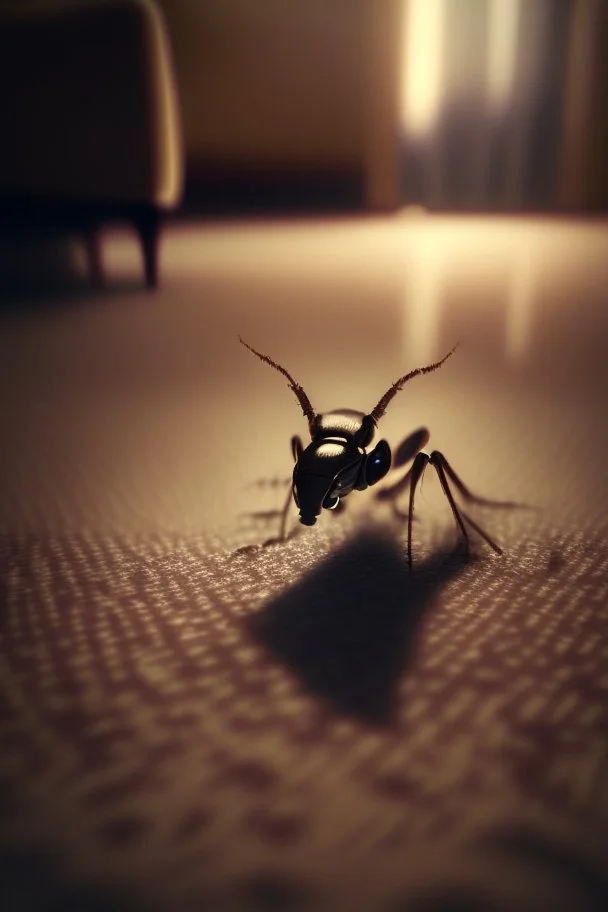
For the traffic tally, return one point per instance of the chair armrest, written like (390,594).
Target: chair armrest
(88,104)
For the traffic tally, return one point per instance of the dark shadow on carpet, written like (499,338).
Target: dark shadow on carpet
(348,628)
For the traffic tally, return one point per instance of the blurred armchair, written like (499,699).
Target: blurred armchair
(90,122)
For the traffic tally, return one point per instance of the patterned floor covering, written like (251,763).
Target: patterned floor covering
(307,726)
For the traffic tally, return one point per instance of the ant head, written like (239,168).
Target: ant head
(325,471)
(329,469)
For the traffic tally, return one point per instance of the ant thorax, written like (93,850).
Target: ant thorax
(342,423)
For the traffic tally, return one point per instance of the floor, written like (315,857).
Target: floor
(307,725)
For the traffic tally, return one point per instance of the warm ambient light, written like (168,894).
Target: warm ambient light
(503,22)
(505,264)
(421,74)
(425,88)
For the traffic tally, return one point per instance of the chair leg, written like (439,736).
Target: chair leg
(92,243)
(147,225)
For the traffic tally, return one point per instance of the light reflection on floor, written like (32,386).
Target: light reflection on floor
(153,393)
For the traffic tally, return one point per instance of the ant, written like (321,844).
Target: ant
(337,461)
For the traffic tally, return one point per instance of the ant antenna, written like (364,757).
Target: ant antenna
(380,408)
(307,409)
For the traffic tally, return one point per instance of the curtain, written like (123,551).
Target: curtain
(499,104)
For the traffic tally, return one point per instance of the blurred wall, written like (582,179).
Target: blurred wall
(315,87)
(583,180)
(271,84)
(282,87)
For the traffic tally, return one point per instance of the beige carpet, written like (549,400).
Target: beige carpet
(307,726)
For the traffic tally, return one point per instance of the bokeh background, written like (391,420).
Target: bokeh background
(187,725)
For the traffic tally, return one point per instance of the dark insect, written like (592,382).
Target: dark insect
(337,461)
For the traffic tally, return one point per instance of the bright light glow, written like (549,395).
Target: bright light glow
(423,292)
(421,73)
(503,23)
(521,293)
(423,85)
(169,158)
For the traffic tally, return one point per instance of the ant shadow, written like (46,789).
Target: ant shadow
(348,629)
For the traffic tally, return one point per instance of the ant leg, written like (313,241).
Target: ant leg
(296,449)
(285,514)
(407,450)
(282,536)
(482,533)
(296,452)
(394,490)
(414,474)
(439,463)
(466,493)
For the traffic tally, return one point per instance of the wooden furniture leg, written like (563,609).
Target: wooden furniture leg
(147,225)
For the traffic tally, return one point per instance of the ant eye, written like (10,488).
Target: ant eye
(330,503)
(378,463)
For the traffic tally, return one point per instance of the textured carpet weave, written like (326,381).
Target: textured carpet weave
(311,726)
